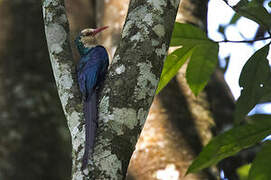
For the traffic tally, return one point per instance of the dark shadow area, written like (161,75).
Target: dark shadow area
(176,106)
(222,106)
(179,115)
(34,139)
(221,101)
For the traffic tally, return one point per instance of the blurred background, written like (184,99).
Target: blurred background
(34,138)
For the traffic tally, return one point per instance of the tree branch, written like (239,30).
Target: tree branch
(244,41)
(128,90)
(57,34)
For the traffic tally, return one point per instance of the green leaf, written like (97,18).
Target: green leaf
(255,11)
(243,171)
(172,64)
(254,80)
(232,141)
(266,97)
(193,41)
(260,169)
(187,35)
(201,65)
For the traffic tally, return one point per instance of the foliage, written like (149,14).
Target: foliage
(173,63)
(202,52)
(255,11)
(232,142)
(243,171)
(260,169)
(255,80)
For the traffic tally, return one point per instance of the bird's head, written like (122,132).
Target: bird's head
(87,39)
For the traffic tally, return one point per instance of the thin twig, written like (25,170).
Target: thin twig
(226,2)
(233,7)
(244,41)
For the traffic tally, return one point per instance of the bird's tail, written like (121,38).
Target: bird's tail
(90,112)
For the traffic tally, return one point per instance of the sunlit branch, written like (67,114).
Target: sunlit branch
(244,41)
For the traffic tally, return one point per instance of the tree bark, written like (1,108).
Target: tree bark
(128,90)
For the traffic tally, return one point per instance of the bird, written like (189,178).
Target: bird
(91,71)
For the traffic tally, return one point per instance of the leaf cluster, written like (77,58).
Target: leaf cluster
(196,47)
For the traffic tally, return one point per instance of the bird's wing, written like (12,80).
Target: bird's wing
(100,56)
(81,78)
(91,77)
(91,70)
(87,76)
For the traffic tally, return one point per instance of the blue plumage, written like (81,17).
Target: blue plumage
(91,71)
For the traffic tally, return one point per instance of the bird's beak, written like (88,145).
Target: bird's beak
(96,31)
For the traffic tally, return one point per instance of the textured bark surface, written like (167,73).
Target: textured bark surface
(128,90)
(57,35)
(34,141)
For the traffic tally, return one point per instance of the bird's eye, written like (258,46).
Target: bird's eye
(89,34)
